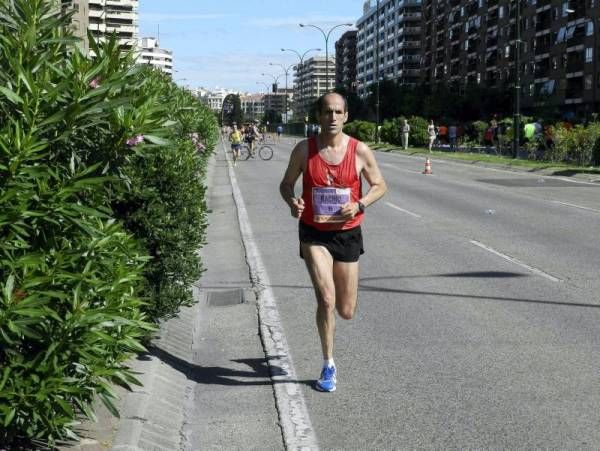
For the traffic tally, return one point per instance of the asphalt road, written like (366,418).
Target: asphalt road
(478,314)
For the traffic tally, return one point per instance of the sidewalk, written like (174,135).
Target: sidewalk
(206,379)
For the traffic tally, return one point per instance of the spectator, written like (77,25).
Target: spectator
(405,132)
(431,134)
(452,137)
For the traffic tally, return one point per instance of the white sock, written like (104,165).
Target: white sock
(328,363)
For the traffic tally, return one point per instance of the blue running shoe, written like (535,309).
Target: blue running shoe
(327,380)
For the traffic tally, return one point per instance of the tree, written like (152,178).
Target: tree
(231,111)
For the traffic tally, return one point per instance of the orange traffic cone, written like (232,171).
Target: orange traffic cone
(427,167)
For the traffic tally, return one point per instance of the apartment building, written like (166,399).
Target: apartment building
(345,61)
(388,43)
(114,16)
(473,41)
(151,53)
(79,20)
(310,82)
(253,106)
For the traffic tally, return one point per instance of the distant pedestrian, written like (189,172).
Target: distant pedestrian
(405,132)
(279,132)
(452,137)
(431,133)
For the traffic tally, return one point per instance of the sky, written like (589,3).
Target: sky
(230,43)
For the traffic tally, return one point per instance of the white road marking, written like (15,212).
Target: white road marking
(539,272)
(505,171)
(576,206)
(396,207)
(297,429)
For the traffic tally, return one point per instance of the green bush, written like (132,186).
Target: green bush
(391,130)
(165,207)
(101,169)
(478,129)
(418,131)
(361,130)
(69,311)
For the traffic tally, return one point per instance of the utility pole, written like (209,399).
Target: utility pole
(517,112)
(377,73)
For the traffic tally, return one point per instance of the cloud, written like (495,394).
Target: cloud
(160,17)
(284,22)
(228,70)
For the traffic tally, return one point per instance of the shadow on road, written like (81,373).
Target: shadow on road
(216,375)
(365,286)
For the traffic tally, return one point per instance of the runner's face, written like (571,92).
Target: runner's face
(332,116)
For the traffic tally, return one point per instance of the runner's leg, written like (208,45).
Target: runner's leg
(345,278)
(319,263)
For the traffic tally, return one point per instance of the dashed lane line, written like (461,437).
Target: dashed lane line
(396,207)
(576,206)
(539,272)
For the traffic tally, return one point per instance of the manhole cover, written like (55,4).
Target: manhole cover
(225,298)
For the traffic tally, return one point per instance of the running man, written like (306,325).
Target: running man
(331,209)
(236,143)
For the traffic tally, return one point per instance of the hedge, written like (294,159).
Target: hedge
(101,170)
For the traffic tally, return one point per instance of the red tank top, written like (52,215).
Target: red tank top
(326,186)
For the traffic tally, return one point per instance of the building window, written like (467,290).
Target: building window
(507,51)
(589,54)
(501,12)
(587,82)
(589,29)
(565,9)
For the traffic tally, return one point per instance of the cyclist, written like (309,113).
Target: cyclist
(236,143)
(251,135)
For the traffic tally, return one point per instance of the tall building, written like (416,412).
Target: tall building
(388,43)
(151,53)
(79,21)
(473,41)
(345,61)
(310,82)
(253,106)
(276,101)
(115,16)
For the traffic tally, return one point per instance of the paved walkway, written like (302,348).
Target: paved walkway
(206,379)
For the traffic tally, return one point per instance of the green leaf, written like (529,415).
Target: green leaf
(9,417)
(156,140)
(11,95)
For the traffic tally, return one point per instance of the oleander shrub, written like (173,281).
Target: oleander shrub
(361,130)
(418,131)
(70,275)
(579,145)
(101,186)
(391,130)
(165,207)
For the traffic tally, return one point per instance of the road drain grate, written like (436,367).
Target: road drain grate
(225,298)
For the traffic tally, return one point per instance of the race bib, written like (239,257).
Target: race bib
(327,203)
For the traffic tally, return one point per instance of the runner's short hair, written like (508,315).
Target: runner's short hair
(321,101)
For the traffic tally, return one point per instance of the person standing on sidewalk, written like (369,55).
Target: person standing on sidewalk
(431,133)
(331,209)
(405,132)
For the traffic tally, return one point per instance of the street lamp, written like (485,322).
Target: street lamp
(326,36)
(517,113)
(300,66)
(275,79)
(286,71)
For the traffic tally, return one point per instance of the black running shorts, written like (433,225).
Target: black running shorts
(343,245)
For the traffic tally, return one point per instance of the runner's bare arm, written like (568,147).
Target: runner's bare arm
(293,171)
(370,170)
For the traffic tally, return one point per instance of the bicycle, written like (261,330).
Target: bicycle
(265,152)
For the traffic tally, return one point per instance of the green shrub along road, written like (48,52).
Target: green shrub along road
(101,187)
